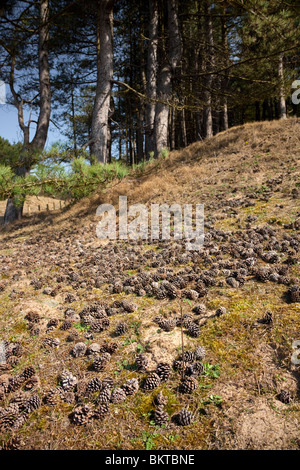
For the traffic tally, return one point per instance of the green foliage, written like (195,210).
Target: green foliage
(9,153)
(77,180)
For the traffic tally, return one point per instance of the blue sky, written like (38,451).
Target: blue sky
(10,130)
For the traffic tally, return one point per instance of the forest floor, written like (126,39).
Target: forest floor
(92,331)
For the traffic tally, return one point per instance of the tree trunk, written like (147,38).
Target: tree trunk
(208,121)
(225,79)
(13,211)
(99,128)
(282,102)
(151,77)
(164,86)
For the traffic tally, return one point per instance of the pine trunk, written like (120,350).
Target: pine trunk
(151,77)
(164,86)
(282,102)
(99,127)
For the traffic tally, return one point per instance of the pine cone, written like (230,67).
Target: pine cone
(161,399)
(220,311)
(101,362)
(82,415)
(15,383)
(33,403)
(199,309)
(194,330)
(66,325)
(121,328)
(97,326)
(262,274)
(51,342)
(184,417)
(104,396)
(200,353)
(28,372)
(163,370)
(94,385)
(109,347)
(141,362)
(188,356)
(294,294)
(32,383)
(101,411)
(107,382)
(68,380)
(14,443)
(8,416)
(118,395)
(51,397)
(194,369)
(178,365)
(160,416)
(79,349)
(152,381)
(188,385)
(19,421)
(130,387)
(20,399)
(285,396)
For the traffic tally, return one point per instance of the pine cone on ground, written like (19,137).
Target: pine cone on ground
(20,420)
(8,416)
(51,397)
(285,396)
(28,372)
(33,403)
(160,416)
(199,309)
(188,385)
(194,330)
(15,383)
(66,325)
(294,294)
(184,417)
(121,328)
(68,380)
(109,347)
(188,356)
(94,385)
(195,369)
(160,399)
(14,443)
(141,362)
(20,399)
(163,370)
(103,396)
(51,342)
(107,382)
(101,411)
(200,353)
(101,362)
(97,326)
(79,349)
(82,415)
(152,381)
(118,395)
(130,387)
